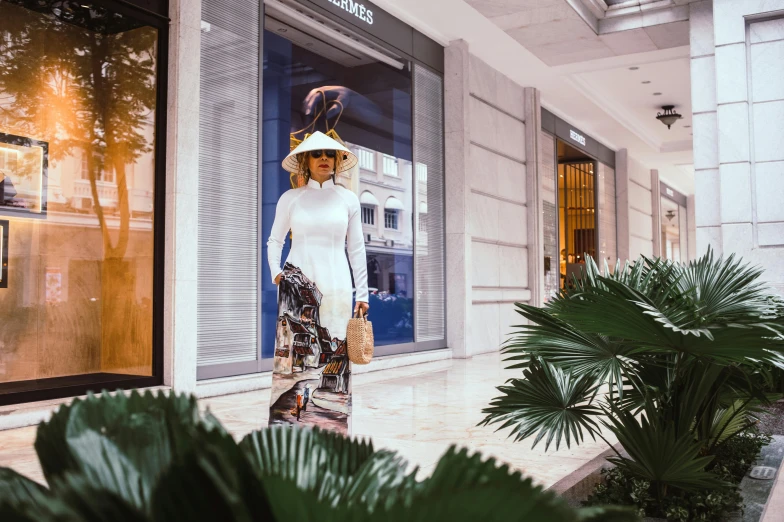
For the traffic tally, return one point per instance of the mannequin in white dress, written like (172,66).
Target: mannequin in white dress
(326,225)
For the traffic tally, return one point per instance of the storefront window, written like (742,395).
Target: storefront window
(369,105)
(78,91)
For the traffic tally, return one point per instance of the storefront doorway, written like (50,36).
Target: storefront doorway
(578,203)
(577,235)
(674,225)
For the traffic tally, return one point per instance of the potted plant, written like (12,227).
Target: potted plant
(672,359)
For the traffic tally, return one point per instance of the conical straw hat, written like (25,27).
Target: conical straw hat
(320,141)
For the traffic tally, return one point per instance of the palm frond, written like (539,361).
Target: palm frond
(548,401)
(658,455)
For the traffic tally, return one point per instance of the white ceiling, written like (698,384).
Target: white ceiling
(599,96)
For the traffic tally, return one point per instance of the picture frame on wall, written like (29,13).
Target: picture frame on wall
(4,234)
(24,165)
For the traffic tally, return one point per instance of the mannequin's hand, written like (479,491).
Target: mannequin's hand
(277,278)
(363,306)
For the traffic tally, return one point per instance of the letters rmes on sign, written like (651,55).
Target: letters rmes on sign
(355,8)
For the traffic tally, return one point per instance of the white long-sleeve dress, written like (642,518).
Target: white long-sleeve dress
(326,233)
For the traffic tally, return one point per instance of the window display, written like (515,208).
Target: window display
(78,103)
(307,88)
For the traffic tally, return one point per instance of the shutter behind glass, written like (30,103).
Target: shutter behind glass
(429,174)
(228,307)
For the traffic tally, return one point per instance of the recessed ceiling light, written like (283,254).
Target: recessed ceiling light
(282,30)
(646,82)
(633,68)
(687,126)
(657,94)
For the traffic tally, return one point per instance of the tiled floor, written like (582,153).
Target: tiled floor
(417,410)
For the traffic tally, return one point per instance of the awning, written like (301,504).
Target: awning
(423,207)
(393,203)
(367,198)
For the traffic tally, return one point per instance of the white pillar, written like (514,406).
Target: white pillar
(458,237)
(182,196)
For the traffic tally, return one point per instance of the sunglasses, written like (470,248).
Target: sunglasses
(316,154)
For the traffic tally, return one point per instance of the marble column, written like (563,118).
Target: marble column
(534,202)
(458,238)
(182,196)
(737,49)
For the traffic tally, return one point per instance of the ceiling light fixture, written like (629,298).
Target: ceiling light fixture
(669,116)
(657,94)
(669,215)
(633,68)
(646,82)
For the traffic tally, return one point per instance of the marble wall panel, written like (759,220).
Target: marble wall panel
(706,146)
(735,192)
(512,222)
(640,198)
(709,237)
(768,136)
(767,70)
(707,188)
(703,84)
(639,246)
(483,219)
(770,191)
(513,263)
(731,68)
(495,88)
(701,28)
(770,234)
(738,238)
(496,131)
(639,173)
(485,330)
(485,264)
(734,143)
(767,31)
(640,225)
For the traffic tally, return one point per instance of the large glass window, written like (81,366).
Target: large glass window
(78,101)
(372,115)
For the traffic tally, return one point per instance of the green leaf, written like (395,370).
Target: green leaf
(658,455)
(121,443)
(549,401)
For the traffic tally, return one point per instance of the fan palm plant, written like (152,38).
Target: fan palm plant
(671,358)
(147,458)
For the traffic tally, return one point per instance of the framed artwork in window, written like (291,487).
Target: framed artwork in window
(24,164)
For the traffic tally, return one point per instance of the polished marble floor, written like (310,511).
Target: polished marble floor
(418,411)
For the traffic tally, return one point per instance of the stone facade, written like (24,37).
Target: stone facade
(737,56)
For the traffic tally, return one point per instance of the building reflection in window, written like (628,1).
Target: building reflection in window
(77,176)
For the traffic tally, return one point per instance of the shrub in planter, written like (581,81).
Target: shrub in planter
(673,359)
(147,458)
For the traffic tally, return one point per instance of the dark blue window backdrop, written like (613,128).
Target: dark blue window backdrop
(376,124)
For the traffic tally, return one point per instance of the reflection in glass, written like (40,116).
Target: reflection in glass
(80,80)
(369,105)
(23,165)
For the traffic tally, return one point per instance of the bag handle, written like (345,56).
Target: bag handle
(360,314)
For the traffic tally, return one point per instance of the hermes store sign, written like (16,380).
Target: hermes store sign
(579,138)
(356,9)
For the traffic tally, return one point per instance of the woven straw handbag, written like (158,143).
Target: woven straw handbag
(359,337)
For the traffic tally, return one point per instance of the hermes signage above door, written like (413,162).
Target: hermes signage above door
(355,8)
(579,138)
